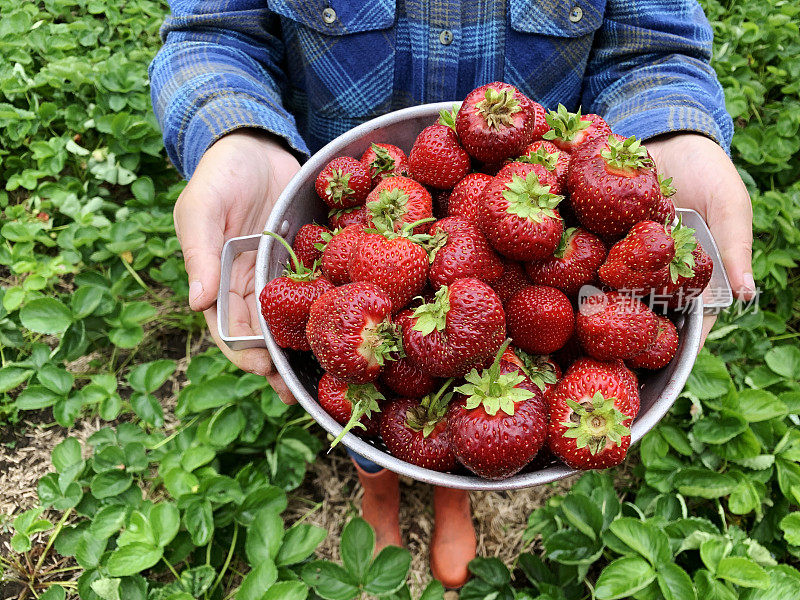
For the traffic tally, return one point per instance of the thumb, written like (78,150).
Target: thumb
(198,224)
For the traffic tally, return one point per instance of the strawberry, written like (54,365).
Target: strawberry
(465,198)
(384,160)
(341,218)
(590,414)
(551,157)
(350,404)
(286,301)
(398,200)
(307,243)
(664,209)
(541,370)
(615,325)
(351,333)
(459,329)
(338,250)
(498,424)
(519,217)
(641,260)
(495,121)
(458,250)
(686,287)
(574,263)
(571,130)
(416,431)
(395,262)
(623,374)
(539,319)
(658,354)
(405,379)
(511,280)
(613,184)
(344,182)
(540,125)
(522,169)
(436,158)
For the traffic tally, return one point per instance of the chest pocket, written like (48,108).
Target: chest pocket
(340,55)
(547,47)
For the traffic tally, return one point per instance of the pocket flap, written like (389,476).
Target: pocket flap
(558,18)
(337,17)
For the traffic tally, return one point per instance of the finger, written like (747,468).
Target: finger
(708,323)
(199,226)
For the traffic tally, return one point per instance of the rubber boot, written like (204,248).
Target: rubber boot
(380,506)
(454,542)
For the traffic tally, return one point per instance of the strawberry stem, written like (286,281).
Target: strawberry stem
(498,107)
(528,199)
(626,155)
(594,422)
(433,315)
(685,244)
(300,271)
(564,242)
(564,125)
(448,117)
(363,400)
(338,185)
(383,161)
(431,410)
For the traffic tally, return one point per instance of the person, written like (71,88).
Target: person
(245,89)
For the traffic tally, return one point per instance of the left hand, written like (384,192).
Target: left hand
(708,182)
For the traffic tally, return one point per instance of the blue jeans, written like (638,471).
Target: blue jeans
(364,463)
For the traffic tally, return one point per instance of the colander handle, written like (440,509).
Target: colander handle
(232,248)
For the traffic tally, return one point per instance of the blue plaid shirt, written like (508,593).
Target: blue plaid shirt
(308,70)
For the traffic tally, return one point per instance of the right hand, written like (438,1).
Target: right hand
(231,193)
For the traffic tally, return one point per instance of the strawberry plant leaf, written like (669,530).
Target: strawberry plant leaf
(330,581)
(623,578)
(299,543)
(387,572)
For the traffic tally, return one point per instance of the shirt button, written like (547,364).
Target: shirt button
(446,37)
(576,14)
(329,15)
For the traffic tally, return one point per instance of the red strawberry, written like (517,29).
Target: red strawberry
(307,242)
(415,431)
(399,200)
(613,184)
(574,263)
(341,218)
(495,121)
(458,250)
(620,372)
(384,160)
(407,380)
(286,301)
(541,370)
(522,169)
(512,280)
(590,414)
(658,354)
(338,250)
(436,158)
(641,260)
(552,158)
(539,319)
(664,210)
(465,198)
(499,423)
(459,329)
(519,217)
(687,287)
(540,125)
(343,182)
(350,404)
(571,130)
(615,325)
(394,262)
(350,331)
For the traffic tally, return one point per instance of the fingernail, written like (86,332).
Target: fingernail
(749,283)
(195,291)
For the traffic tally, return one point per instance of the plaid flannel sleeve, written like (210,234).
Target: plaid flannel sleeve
(649,72)
(219,70)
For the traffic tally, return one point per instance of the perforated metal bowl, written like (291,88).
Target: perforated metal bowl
(299,204)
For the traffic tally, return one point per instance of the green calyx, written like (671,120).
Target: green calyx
(338,186)
(326,236)
(666,187)
(563,243)
(627,154)
(593,424)
(493,390)
(528,199)
(297,271)
(564,125)
(382,163)
(685,243)
(540,156)
(433,315)
(430,411)
(538,369)
(382,342)
(448,117)
(436,242)
(498,107)
(388,208)
(364,401)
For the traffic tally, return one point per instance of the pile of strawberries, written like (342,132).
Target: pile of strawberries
(443,301)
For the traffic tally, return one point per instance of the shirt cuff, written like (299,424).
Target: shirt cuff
(226,113)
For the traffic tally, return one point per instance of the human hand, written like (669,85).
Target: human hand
(708,182)
(231,194)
